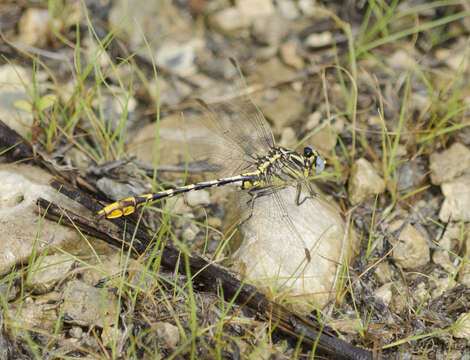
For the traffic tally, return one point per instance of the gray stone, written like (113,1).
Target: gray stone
(313,120)
(346,324)
(411,250)
(409,174)
(449,164)
(451,240)
(112,336)
(85,305)
(364,182)
(452,57)
(47,271)
(117,190)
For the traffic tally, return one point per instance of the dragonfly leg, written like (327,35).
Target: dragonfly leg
(311,192)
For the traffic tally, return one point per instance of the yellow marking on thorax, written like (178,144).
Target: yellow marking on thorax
(270,161)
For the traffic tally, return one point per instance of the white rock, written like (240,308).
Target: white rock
(21,227)
(272,254)
(450,163)
(317,40)
(364,182)
(456,205)
(411,249)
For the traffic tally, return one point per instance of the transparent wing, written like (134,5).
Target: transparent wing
(241,123)
(236,135)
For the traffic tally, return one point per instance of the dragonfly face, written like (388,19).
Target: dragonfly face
(313,161)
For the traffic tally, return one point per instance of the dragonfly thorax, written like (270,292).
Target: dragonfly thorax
(283,166)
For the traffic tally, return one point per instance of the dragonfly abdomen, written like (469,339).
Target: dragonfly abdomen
(131,204)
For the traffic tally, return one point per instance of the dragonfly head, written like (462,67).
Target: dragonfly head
(313,160)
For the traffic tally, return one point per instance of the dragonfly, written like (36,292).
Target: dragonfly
(243,146)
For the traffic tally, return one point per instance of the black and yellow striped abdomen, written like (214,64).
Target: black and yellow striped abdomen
(129,205)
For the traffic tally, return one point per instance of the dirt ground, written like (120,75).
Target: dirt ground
(103,96)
